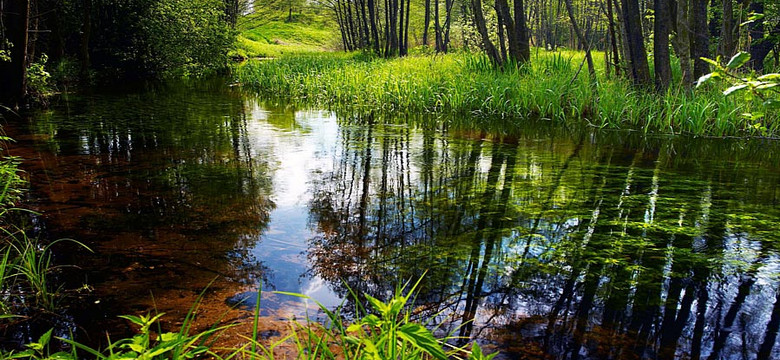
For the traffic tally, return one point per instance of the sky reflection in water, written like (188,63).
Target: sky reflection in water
(575,244)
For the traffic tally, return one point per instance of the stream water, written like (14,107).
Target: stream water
(543,243)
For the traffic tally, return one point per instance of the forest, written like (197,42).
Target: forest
(389,179)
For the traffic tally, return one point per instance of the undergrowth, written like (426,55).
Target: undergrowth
(384,330)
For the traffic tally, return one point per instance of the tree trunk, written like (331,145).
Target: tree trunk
(637,57)
(728,39)
(505,20)
(521,31)
(86,30)
(663,67)
(437,30)
(682,41)
(13,74)
(760,44)
(701,40)
(585,44)
(426,22)
(372,23)
(613,38)
(479,22)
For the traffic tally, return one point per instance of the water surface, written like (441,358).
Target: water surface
(545,242)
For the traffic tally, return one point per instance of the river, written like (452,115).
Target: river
(542,242)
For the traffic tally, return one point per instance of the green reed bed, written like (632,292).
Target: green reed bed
(554,86)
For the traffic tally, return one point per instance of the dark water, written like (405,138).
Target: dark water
(546,243)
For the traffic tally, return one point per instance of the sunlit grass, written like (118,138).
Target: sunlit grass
(274,35)
(553,86)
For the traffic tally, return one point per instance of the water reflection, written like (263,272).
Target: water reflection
(549,242)
(562,246)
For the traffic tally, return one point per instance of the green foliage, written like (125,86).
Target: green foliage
(187,36)
(5,51)
(760,94)
(38,79)
(466,86)
(386,332)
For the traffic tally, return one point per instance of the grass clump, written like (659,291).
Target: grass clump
(551,86)
(26,266)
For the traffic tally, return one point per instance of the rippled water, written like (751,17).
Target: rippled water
(544,242)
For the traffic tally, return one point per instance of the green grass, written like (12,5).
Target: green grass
(469,91)
(275,35)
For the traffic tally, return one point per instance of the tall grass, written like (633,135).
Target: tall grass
(552,86)
(26,264)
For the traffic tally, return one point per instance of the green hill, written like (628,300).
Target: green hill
(273,33)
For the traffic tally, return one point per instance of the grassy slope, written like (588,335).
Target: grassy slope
(273,35)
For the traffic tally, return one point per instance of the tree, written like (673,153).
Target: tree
(639,70)
(663,67)
(15,19)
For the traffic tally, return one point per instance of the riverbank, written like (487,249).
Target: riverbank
(553,86)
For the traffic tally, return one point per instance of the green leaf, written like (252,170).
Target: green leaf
(167,336)
(136,347)
(476,353)
(61,355)
(378,305)
(772,104)
(706,78)
(738,60)
(766,85)
(371,320)
(44,339)
(770,77)
(133,319)
(710,61)
(422,338)
(734,89)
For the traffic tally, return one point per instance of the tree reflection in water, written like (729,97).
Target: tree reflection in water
(554,245)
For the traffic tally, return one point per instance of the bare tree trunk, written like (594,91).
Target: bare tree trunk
(585,44)
(448,4)
(521,31)
(701,40)
(479,22)
(682,41)
(663,67)
(761,44)
(501,37)
(613,38)
(426,22)
(640,71)
(727,46)
(372,23)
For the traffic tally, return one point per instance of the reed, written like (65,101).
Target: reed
(552,87)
